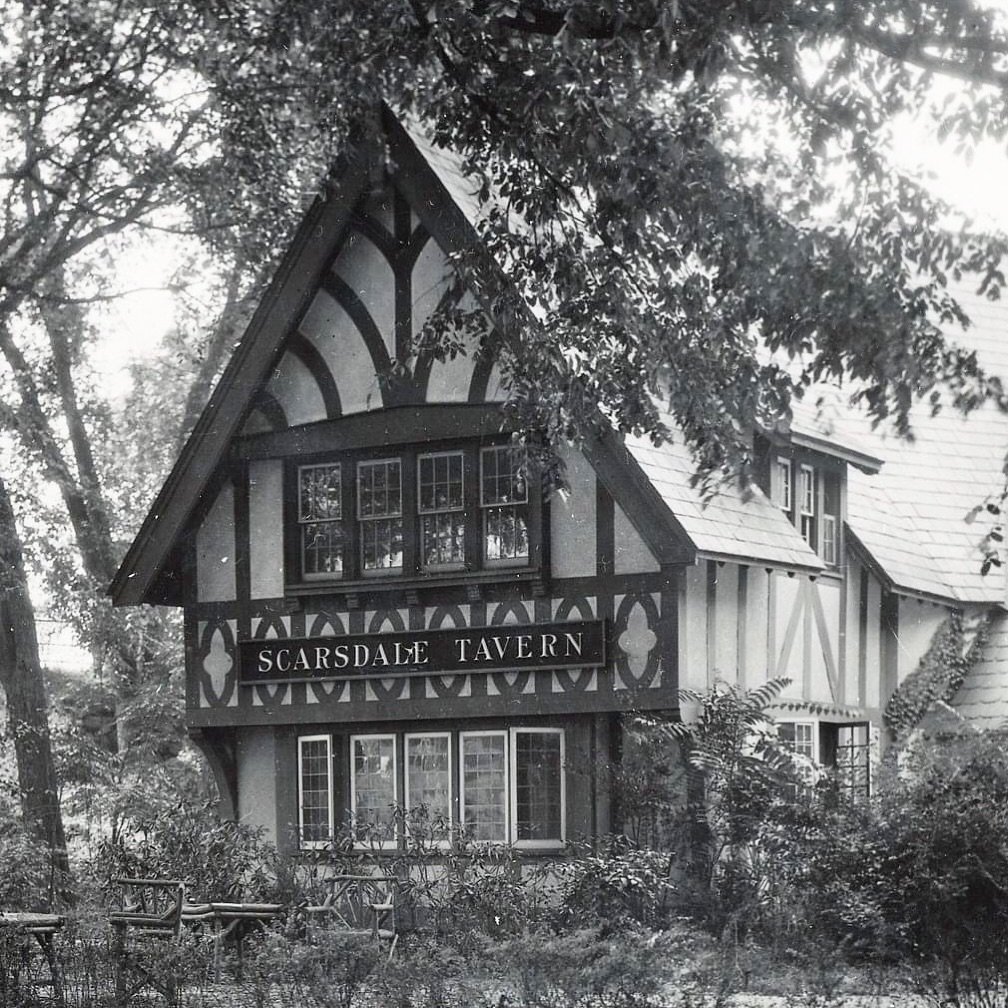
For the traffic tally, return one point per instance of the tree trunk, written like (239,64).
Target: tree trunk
(27,707)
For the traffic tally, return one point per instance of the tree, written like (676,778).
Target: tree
(104,141)
(670,184)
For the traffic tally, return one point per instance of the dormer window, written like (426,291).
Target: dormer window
(805,485)
(780,483)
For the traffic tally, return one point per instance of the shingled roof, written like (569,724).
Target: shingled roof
(914,516)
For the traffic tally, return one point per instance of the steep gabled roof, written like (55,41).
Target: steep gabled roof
(287,296)
(445,200)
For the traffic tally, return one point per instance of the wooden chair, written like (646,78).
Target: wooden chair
(360,904)
(146,927)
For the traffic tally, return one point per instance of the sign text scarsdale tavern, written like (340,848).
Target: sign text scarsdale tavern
(490,649)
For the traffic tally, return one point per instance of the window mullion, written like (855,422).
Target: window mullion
(410,512)
(473,511)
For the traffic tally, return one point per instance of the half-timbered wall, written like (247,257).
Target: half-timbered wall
(843,641)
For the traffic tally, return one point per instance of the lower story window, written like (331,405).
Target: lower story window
(373,789)
(315,811)
(508,787)
(429,785)
(845,749)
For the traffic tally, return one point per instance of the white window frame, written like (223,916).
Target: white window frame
(302,739)
(808,491)
(445,842)
(781,483)
(363,519)
(484,733)
(833,539)
(550,844)
(422,511)
(390,843)
(807,722)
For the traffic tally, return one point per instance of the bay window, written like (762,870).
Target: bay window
(379,510)
(441,504)
(504,500)
(807,488)
(419,513)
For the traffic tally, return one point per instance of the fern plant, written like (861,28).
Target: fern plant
(741,779)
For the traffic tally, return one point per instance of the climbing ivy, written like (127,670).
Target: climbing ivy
(938,676)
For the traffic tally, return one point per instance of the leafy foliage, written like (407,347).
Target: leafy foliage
(938,676)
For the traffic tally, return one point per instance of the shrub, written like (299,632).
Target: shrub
(922,871)
(616,887)
(217,859)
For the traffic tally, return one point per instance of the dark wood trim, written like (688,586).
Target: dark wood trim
(497,585)
(400,425)
(219,749)
(742,626)
(605,531)
(305,351)
(375,232)
(243,559)
(347,298)
(402,270)
(289,294)
(270,407)
(643,505)
(410,252)
(668,628)
(888,645)
(712,615)
(483,364)
(862,697)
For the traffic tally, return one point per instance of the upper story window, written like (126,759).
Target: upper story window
(504,499)
(809,493)
(379,511)
(320,520)
(441,504)
(413,513)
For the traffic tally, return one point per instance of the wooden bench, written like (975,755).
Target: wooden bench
(147,923)
(43,929)
(360,904)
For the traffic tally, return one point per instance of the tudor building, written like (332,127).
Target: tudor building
(383,607)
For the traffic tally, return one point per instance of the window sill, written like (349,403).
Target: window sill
(393,582)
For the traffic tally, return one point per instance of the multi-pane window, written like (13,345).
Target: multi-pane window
(537,769)
(320,520)
(315,818)
(799,737)
(429,784)
(484,785)
(829,529)
(497,786)
(379,511)
(504,501)
(373,791)
(441,505)
(780,483)
(417,513)
(807,511)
